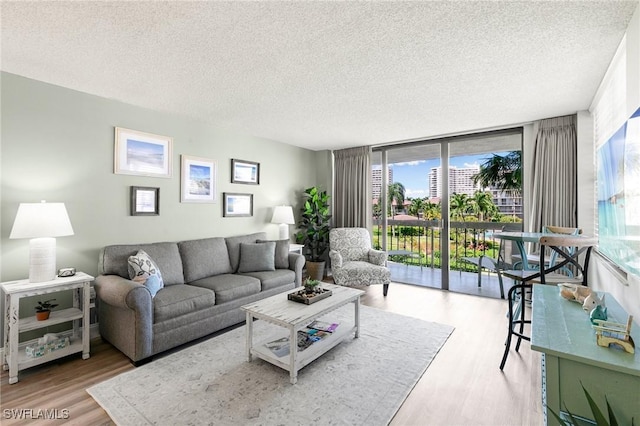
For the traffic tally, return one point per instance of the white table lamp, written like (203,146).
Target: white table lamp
(41,222)
(283,215)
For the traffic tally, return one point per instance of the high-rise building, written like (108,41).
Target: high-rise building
(376,180)
(460,181)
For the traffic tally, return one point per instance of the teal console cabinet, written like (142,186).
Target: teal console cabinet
(561,330)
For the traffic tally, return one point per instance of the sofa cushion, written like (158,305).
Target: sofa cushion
(177,300)
(282,253)
(229,286)
(257,257)
(204,258)
(143,270)
(274,279)
(114,260)
(233,246)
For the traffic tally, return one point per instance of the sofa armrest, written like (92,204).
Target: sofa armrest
(125,315)
(378,257)
(296,264)
(122,293)
(336,258)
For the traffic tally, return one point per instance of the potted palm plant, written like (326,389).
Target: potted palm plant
(314,230)
(44,309)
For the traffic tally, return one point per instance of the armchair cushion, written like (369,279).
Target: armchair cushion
(358,273)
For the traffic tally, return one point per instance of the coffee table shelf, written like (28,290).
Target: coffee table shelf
(296,316)
(308,355)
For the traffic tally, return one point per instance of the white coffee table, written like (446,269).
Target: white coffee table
(296,316)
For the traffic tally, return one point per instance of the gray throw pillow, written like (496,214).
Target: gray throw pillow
(256,257)
(282,253)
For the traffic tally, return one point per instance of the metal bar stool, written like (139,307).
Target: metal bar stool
(569,249)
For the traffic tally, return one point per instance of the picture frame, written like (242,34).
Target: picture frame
(237,205)
(247,172)
(198,180)
(145,201)
(142,154)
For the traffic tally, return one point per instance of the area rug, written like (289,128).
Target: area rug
(361,381)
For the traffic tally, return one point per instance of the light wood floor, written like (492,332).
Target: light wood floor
(462,386)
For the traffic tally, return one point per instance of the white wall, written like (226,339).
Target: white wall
(603,276)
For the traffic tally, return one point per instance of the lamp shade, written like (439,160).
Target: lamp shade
(37,220)
(283,214)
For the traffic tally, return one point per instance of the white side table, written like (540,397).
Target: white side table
(15,358)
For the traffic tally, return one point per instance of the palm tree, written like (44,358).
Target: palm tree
(416,206)
(377,209)
(431,210)
(395,193)
(503,172)
(482,204)
(459,205)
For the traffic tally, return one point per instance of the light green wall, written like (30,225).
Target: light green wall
(58,145)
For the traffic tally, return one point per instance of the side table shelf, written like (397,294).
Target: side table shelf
(56,317)
(15,357)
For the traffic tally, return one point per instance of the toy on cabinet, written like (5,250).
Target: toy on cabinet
(591,301)
(611,333)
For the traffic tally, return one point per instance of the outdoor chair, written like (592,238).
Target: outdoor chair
(354,262)
(498,264)
(569,250)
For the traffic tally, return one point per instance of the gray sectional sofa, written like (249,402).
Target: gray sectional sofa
(205,283)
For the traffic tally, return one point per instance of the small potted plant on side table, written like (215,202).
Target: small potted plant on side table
(44,309)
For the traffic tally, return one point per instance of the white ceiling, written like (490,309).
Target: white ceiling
(324,75)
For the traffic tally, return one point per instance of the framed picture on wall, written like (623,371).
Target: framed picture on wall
(145,201)
(142,154)
(237,205)
(198,180)
(245,172)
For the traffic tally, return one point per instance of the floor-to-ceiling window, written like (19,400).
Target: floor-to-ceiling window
(435,201)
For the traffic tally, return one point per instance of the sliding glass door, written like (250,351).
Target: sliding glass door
(433,201)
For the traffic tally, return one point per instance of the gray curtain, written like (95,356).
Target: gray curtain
(555,182)
(351,192)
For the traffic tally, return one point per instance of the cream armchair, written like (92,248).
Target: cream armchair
(354,262)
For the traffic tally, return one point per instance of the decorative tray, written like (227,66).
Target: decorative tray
(302,296)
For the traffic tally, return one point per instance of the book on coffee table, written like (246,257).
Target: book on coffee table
(306,337)
(323,326)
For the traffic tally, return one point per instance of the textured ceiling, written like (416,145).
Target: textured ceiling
(324,75)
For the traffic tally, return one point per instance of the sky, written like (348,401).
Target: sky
(413,175)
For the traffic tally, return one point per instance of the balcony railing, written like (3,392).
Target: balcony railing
(418,242)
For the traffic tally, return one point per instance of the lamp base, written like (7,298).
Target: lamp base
(42,259)
(284,231)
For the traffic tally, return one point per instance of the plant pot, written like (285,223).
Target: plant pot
(42,315)
(315,270)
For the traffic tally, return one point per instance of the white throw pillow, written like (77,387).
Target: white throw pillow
(142,268)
